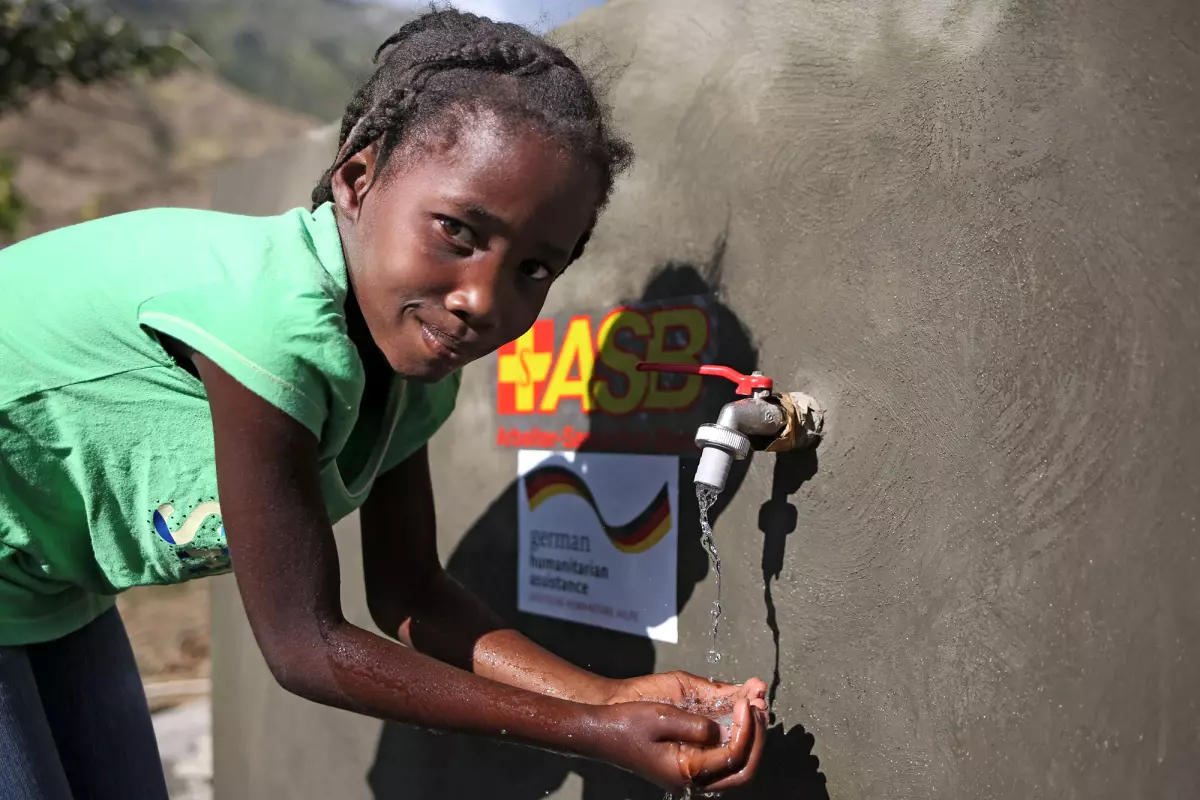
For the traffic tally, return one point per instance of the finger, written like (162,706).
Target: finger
(746,773)
(741,733)
(694,684)
(712,764)
(753,688)
(757,691)
(680,726)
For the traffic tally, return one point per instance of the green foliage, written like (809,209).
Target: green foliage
(306,55)
(46,42)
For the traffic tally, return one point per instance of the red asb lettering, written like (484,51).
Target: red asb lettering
(533,377)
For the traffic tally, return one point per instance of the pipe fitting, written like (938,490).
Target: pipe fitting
(805,423)
(753,416)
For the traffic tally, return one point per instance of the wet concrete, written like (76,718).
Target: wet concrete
(969,229)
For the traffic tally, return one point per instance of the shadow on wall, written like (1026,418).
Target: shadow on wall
(789,770)
(414,764)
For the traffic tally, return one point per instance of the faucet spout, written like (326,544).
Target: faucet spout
(719,448)
(729,439)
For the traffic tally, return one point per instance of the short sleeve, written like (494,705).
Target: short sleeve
(287,344)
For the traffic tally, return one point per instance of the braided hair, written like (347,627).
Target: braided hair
(446,61)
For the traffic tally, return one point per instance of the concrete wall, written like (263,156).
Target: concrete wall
(970,229)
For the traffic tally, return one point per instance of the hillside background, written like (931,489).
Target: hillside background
(261,72)
(303,55)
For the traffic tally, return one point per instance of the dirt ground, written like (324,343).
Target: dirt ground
(105,149)
(169,628)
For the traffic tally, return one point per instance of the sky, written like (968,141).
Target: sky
(538,14)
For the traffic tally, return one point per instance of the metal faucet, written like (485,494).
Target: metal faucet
(778,422)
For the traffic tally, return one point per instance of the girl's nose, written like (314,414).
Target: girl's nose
(474,297)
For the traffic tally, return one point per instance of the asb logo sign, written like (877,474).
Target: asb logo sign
(559,382)
(595,364)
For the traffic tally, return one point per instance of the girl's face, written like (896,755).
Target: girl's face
(452,254)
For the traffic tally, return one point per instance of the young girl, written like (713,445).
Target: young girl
(184,392)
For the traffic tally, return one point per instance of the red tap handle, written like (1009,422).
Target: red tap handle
(746,384)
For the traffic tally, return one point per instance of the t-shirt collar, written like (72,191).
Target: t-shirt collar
(327,243)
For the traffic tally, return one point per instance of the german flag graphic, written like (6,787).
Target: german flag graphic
(636,536)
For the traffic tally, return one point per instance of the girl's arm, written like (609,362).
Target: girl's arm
(286,566)
(414,599)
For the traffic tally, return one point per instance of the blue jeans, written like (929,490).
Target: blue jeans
(74,724)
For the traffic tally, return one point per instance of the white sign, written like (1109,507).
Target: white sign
(597,537)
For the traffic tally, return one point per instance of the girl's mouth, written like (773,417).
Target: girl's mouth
(443,346)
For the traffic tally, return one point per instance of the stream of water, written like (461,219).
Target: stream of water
(705,497)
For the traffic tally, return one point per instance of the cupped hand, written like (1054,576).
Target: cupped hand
(676,749)
(690,692)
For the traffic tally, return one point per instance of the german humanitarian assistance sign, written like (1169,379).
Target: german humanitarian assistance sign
(597,539)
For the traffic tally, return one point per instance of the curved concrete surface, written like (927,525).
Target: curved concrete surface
(969,228)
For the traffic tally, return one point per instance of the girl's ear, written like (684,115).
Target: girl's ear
(352,181)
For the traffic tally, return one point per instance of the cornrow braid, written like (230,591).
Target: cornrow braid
(449,58)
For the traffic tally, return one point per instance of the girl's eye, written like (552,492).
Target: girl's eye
(457,231)
(536,271)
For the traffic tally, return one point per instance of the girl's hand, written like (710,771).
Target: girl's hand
(690,692)
(675,749)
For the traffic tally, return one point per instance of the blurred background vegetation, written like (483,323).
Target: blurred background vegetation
(305,55)
(111,105)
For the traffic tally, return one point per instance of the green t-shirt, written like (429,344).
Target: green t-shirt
(107,475)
